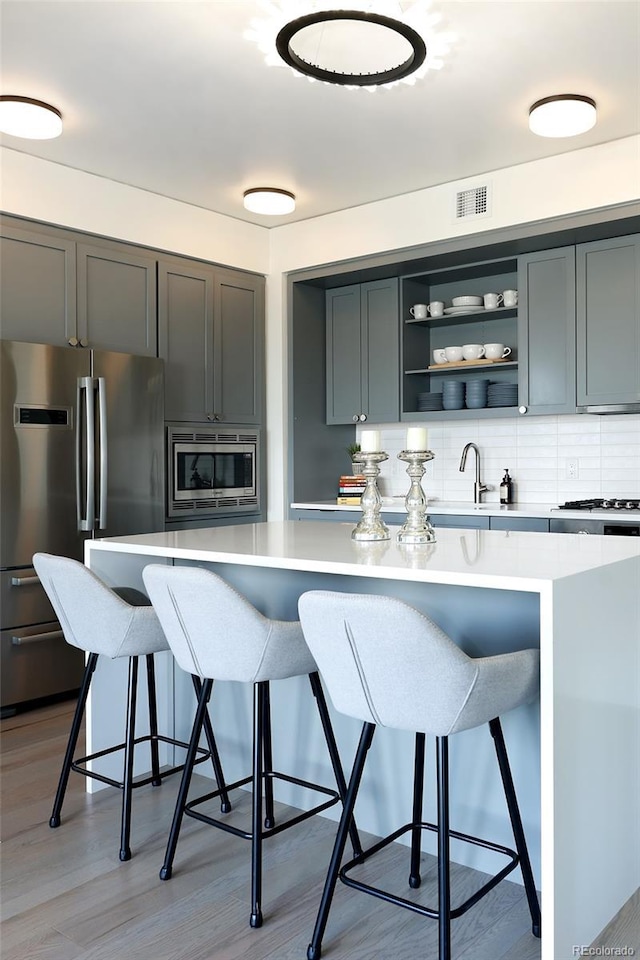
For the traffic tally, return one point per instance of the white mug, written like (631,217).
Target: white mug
(510,298)
(418,311)
(496,351)
(472,351)
(439,356)
(436,308)
(492,301)
(453,353)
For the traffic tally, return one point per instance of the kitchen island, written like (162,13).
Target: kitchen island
(575,755)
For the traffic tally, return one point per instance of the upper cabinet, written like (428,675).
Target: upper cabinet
(547,332)
(362,344)
(608,321)
(117,298)
(211,336)
(57,289)
(38,290)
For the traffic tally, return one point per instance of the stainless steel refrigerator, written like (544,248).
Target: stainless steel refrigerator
(81,455)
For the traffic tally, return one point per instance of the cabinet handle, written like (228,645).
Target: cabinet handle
(355,417)
(73,341)
(522,409)
(210,416)
(84,343)
(37,638)
(362,417)
(24,581)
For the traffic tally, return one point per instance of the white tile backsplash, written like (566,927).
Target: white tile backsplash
(536,451)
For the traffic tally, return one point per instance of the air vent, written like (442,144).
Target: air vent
(473,203)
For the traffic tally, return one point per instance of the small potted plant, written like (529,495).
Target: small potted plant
(353,450)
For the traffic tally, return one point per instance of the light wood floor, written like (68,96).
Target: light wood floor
(66,895)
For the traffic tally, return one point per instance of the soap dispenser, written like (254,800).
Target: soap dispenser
(506,488)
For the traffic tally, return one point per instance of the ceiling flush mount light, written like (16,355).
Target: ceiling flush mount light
(565,115)
(372,44)
(28,118)
(269,201)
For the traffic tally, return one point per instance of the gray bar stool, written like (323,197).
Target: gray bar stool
(113,623)
(388,665)
(216,633)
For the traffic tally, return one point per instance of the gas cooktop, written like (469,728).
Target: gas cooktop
(623,504)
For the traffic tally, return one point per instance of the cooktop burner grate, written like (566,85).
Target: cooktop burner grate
(601,504)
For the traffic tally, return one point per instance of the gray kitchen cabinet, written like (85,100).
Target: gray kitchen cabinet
(546,332)
(531,524)
(608,321)
(463,520)
(211,337)
(363,349)
(117,298)
(38,290)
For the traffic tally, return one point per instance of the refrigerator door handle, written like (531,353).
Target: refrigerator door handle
(103,452)
(86,521)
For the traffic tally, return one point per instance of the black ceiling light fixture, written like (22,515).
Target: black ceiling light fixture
(347,34)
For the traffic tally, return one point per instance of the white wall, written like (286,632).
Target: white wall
(581,180)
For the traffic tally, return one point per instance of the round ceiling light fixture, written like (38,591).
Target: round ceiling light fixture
(351,36)
(564,115)
(269,201)
(29,118)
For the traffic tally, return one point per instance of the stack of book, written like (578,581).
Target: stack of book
(350,489)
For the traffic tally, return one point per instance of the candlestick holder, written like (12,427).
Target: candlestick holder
(371,527)
(416,528)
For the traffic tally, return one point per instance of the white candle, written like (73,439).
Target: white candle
(370,441)
(416,438)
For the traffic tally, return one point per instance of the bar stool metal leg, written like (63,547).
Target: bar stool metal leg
(92,660)
(516,824)
(127,777)
(444,870)
(314,950)
(269,818)
(153,720)
(256,803)
(332,747)
(178,813)
(418,792)
(225,803)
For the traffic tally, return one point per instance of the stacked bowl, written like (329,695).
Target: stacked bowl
(476,393)
(453,394)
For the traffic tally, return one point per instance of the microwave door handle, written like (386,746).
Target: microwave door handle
(86,521)
(103,452)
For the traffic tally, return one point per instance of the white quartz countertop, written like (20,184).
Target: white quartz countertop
(465,508)
(495,559)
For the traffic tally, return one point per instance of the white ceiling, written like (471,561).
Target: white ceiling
(172,98)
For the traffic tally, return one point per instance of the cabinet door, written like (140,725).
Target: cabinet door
(185,333)
(608,321)
(38,290)
(546,332)
(238,347)
(344,377)
(117,299)
(380,351)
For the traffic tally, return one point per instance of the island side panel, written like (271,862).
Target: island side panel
(596,752)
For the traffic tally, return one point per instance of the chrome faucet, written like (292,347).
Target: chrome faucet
(478,487)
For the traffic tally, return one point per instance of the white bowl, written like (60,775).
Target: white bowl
(467,301)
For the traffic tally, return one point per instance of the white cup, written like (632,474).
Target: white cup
(496,351)
(472,351)
(492,300)
(439,356)
(510,298)
(436,308)
(418,311)
(453,353)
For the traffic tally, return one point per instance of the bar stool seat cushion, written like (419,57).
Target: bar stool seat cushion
(118,628)
(241,644)
(386,663)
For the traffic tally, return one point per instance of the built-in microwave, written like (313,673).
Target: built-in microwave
(212,470)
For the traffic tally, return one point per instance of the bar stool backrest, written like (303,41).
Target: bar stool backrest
(92,616)
(386,663)
(215,632)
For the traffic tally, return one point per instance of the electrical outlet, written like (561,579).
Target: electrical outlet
(572,470)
